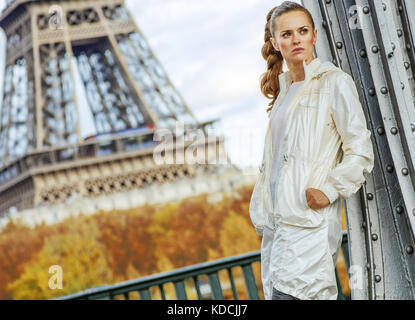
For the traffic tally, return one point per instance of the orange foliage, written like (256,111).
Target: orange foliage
(127,240)
(19,244)
(79,256)
(136,242)
(111,247)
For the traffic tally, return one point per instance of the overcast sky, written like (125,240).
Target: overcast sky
(211,50)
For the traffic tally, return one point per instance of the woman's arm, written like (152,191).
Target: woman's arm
(358,158)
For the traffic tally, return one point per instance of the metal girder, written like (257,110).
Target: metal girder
(373,42)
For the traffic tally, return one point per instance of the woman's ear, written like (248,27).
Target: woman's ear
(275,44)
(315,36)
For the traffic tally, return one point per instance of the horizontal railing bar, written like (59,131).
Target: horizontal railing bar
(171,276)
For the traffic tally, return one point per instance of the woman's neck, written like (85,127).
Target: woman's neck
(297,71)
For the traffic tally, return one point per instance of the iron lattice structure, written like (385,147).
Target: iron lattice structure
(374,42)
(47,43)
(56,49)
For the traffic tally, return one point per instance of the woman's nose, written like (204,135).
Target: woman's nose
(296,38)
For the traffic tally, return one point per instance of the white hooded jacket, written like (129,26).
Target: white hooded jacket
(326,146)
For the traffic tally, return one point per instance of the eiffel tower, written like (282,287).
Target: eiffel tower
(52,48)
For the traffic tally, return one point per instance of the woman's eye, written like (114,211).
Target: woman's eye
(287,33)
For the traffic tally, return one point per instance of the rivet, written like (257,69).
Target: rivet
(393,46)
(399,209)
(363,53)
(405,171)
(370,196)
(366,10)
(339,45)
(384,90)
(374,237)
(413,127)
(381,131)
(384,6)
(389,168)
(409,249)
(364,224)
(408,46)
(375,49)
(372,92)
(378,278)
(394,131)
(328,1)
(402,86)
(407,65)
(400,33)
(368,266)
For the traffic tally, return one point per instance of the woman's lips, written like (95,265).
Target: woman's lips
(298,50)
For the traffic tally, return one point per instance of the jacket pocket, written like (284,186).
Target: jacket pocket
(304,199)
(256,204)
(309,100)
(292,206)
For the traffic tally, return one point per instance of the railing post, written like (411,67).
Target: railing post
(215,286)
(163,294)
(180,290)
(250,282)
(199,294)
(234,292)
(145,294)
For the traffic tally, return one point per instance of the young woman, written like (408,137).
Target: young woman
(317,151)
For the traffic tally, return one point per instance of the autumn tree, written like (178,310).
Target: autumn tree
(19,245)
(80,255)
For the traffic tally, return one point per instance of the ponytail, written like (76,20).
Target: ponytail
(270,85)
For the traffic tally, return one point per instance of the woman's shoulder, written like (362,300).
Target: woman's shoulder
(334,71)
(332,75)
(330,70)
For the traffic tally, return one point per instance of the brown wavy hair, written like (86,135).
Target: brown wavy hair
(270,86)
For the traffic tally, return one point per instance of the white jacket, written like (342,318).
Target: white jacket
(325,145)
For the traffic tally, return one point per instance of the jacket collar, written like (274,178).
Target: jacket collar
(309,70)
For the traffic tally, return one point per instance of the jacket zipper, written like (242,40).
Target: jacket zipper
(269,154)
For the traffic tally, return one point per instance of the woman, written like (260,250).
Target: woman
(317,151)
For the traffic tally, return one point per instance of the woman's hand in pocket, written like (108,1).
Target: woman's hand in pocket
(316,199)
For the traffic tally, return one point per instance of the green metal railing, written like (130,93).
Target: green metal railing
(178,278)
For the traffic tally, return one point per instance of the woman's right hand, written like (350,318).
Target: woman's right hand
(316,199)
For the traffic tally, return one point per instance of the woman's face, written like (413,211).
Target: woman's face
(294,30)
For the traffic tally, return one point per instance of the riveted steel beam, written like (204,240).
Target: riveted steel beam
(373,42)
